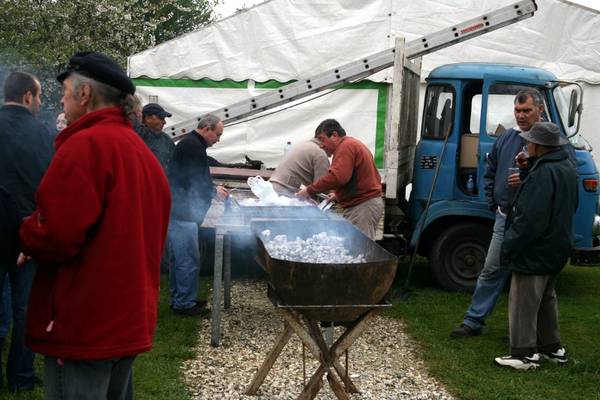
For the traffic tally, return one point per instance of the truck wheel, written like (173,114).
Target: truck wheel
(458,254)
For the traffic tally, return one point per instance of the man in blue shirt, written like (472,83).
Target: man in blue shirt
(500,189)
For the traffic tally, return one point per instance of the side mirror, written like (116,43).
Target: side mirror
(573,108)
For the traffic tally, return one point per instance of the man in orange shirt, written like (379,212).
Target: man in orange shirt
(352,175)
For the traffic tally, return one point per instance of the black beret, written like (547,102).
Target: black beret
(155,109)
(98,67)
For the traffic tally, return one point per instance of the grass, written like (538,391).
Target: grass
(157,373)
(466,366)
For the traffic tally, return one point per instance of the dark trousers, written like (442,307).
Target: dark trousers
(88,380)
(533,315)
(19,367)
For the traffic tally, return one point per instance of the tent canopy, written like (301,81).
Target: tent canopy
(286,40)
(282,40)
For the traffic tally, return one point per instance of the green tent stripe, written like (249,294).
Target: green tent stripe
(200,83)
(380,127)
(230,84)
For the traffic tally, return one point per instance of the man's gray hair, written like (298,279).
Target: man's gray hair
(103,93)
(209,121)
(534,94)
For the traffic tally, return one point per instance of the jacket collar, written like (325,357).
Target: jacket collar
(109,114)
(555,155)
(17,108)
(200,138)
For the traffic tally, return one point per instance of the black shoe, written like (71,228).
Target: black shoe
(198,309)
(464,331)
(521,363)
(31,384)
(199,303)
(559,356)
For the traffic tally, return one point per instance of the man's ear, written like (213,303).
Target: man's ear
(85,94)
(27,99)
(335,133)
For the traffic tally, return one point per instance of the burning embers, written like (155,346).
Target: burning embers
(320,248)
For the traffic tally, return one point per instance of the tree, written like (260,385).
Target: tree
(41,35)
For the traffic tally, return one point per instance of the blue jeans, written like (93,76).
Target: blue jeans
(491,280)
(87,380)
(184,274)
(19,368)
(5,307)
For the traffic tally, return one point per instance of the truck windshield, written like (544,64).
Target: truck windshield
(500,109)
(438,115)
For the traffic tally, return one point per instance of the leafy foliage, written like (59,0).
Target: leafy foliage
(41,35)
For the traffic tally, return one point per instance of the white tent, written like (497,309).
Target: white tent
(283,40)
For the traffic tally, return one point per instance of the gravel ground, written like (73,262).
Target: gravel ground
(384,362)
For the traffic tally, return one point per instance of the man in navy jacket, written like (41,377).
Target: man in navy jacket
(25,153)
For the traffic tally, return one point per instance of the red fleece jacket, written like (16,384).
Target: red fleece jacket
(352,174)
(97,235)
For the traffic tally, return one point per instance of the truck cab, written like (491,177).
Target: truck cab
(467,107)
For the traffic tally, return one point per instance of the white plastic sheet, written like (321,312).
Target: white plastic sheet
(292,39)
(264,138)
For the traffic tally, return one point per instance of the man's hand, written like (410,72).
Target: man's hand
(521,160)
(221,193)
(22,259)
(303,193)
(514,180)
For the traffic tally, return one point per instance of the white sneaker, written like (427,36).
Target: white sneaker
(560,356)
(521,363)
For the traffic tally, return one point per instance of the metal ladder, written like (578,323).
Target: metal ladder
(366,66)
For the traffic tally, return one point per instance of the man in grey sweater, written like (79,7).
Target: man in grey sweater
(304,164)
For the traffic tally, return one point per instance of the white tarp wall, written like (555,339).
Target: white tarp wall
(264,138)
(285,40)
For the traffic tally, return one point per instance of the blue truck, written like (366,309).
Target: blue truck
(467,107)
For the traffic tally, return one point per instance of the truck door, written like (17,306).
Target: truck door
(438,122)
(469,173)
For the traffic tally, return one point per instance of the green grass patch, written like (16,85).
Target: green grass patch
(157,374)
(466,366)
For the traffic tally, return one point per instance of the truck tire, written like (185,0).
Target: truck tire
(458,254)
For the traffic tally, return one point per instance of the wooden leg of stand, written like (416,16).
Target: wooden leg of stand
(261,374)
(312,346)
(327,360)
(314,384)
(337,387)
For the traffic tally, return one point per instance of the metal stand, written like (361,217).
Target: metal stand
(311,336)
(222,272)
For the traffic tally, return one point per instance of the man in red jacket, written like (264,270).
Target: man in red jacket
(97,235)
(353,175)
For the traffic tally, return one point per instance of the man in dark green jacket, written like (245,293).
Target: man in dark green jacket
(537,244)
(151,132)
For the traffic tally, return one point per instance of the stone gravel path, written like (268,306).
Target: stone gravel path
(384,362)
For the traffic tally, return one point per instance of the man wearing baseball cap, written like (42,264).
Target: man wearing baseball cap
(151,132)
(537,243)
(97,235)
